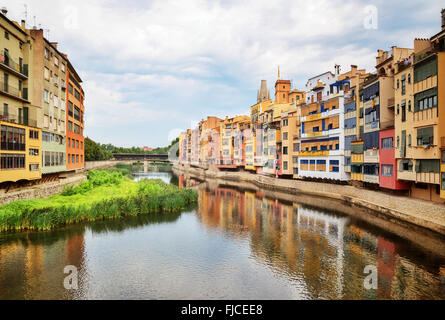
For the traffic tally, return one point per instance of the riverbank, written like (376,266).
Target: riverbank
(106,195)
(419,213)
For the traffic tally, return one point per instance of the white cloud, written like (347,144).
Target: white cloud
(198,57)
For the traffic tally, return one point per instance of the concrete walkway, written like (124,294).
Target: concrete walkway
(421,213)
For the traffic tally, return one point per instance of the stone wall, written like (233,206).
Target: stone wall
(425,214)
(41,191)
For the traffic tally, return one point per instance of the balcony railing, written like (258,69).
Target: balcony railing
(14,118)
(12,91)
(11,65)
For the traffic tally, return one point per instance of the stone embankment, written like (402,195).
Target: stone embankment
(43,190)
(428,215)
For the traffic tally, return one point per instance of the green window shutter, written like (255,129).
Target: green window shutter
(418,165)
(403,148)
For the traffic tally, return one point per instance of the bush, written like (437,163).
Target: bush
(106,195)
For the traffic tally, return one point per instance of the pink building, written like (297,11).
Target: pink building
(388,163)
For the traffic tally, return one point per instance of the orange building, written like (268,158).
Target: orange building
(74,121)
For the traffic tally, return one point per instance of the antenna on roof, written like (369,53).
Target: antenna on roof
(26,12)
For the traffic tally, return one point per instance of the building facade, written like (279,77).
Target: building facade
(49,77)
(20,146)
(74,120)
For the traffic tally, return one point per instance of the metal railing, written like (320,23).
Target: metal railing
(14,118)
(7,61)
(13,91)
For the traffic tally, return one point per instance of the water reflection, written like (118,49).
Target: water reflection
(236,244)
(327,251)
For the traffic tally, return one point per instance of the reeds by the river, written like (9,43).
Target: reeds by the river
(106,195)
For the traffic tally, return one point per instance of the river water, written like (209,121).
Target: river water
(237,243)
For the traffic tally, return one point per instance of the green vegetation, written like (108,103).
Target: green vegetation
(96,152)
(107,194)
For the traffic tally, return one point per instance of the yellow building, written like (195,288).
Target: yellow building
(20,134)
(290,133)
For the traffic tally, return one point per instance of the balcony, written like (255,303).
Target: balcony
(13,67)
(428,177)
(14,92)
(15,119)
(406,175)
(371,178)
(371,156)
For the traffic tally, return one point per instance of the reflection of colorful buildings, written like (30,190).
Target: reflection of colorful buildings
(325,252)
(35,270)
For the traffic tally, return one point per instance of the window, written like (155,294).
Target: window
(70,109)
(77,113)
(409,78)
(398,83)
(387,170)
(388,143)
(33,167)
(403,86)
(70,88)
(443,156)
(425,136)
(428,166)
(6,35)
(409,141)
(46,53)
(46,75)
(285,165)
(285,122)
(12,161)
(70,126)
(33,152)
(56,61)
(77,94)
(285,135)
(285,150)
(46,96)
(12,139)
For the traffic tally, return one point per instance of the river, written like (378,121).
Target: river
(235,244)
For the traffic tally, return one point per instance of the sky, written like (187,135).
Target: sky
(152,69)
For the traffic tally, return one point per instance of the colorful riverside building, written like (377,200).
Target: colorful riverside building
(422,155)
(20,118)
(74,120)
(209,140)
(49,77)
(232,141)
(377,101)
(322,153)
(183,148)
(263,103)
(290,133)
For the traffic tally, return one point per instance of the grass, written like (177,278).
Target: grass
(107,194)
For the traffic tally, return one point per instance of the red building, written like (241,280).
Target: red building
(74,121)
(388,163)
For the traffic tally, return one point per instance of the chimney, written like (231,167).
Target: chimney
(443,19)
(54,44)
(4,11)
(354,67)
(23,24)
